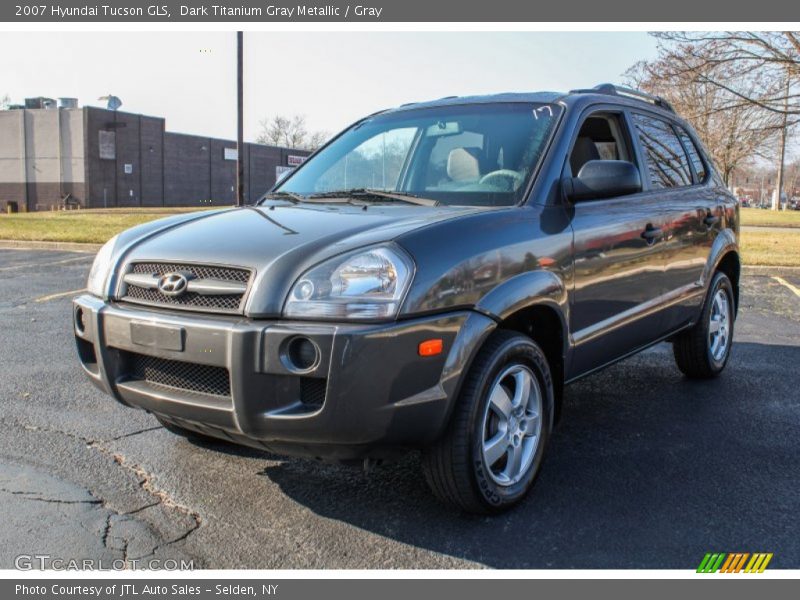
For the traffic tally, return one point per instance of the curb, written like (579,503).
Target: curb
(779,227)
(62,246)
(760,269)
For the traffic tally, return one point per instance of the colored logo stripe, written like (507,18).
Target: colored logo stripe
(758,563)
(710,563)
(734,562)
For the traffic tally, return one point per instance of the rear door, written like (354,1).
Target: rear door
(692,215)
(618,258)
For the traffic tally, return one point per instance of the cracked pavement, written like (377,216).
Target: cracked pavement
(649,474)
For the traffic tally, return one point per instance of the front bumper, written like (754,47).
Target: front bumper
(369,393)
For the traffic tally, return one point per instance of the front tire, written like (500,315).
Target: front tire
(493,448)
(703,351)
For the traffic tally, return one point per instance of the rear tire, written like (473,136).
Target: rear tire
(703,351)
(494,444)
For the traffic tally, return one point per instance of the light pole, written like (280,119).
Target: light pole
(239,119)
(782,154)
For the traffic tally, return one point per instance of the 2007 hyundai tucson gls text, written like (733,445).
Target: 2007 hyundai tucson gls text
(429,279)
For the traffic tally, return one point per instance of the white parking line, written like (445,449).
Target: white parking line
(783,282)
(59,295)
(48,264)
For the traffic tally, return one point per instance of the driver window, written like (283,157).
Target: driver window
(599,138)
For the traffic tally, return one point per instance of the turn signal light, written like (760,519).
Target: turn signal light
(430,347)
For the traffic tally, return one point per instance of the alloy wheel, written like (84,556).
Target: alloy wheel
(720,325)
(512,425)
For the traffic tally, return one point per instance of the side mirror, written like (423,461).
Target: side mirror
(603,179)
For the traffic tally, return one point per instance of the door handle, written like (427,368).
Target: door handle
(651,234)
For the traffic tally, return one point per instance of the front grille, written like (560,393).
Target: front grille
(190,377)
(189,299)
(216,303)
(312,391)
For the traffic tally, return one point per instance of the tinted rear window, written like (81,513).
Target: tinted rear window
(694,155)
(666,159)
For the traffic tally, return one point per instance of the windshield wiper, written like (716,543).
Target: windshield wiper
(291,197)
(362,193)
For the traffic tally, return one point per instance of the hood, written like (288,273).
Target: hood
(280,241)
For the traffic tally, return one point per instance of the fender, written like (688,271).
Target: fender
(473,333)
(532,288)
(724,243)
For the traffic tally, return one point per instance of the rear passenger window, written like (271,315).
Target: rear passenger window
(666,159)
(694,155)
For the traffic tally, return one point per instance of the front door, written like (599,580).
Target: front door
(618,279)
(618,257)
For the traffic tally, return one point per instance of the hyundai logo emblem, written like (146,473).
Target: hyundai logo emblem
(173,284)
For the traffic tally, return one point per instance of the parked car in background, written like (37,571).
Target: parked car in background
(430,279)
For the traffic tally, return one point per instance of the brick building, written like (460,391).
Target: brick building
(97,158)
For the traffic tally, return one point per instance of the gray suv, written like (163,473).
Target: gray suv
(430,279)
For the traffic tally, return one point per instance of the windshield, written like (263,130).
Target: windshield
(475,154)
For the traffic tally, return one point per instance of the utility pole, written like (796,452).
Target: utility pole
(239,118)
(776,204)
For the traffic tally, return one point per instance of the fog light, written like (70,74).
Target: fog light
(80,325)
(302,354)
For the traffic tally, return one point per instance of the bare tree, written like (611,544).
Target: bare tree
(290,132)
(768,59)
(5,100)
(733,131)
(763,178)
(317,139)
(792,178)
(767,68)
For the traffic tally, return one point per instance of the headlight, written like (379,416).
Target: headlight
(365,284)
(101,268)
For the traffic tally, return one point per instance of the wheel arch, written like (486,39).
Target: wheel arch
(535,304)
(725,257)
(730,264)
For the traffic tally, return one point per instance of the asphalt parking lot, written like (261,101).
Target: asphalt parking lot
(646,470)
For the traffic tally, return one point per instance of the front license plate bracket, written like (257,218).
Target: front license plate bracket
(160,337)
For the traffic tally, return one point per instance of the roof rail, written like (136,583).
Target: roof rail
(609,89)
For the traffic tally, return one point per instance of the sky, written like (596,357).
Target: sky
(331,78)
